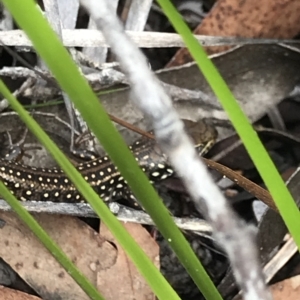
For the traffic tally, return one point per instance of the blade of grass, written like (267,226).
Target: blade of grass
(156,281)
(54,249)
(50,48)
(265,166)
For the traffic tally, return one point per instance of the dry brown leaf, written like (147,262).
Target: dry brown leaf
(9,294)
(25,254)
(123,274)
(288,289)
(248,18)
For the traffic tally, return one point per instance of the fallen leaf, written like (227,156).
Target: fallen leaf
(248,18)
(9,294)
(123,274)
(288,289)
(27,256)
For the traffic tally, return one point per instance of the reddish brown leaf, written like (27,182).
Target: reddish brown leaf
(248,18)
(125,281)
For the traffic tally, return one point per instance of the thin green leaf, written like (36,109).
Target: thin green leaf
(125,239)
(54,249)
(281,195)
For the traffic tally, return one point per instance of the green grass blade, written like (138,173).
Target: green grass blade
(249,137)
(156,281)
(54,249)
